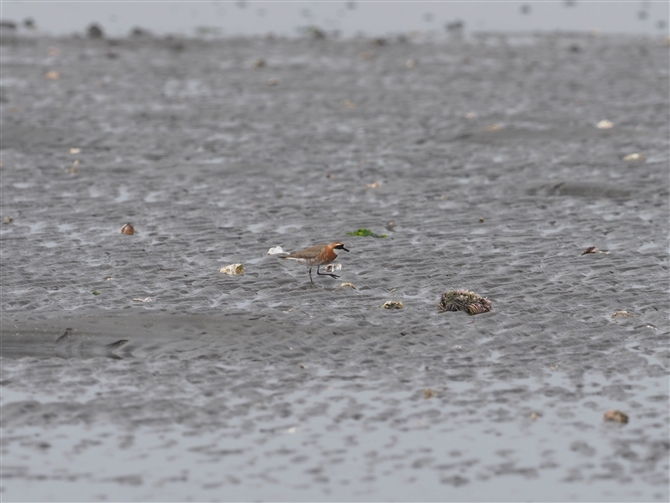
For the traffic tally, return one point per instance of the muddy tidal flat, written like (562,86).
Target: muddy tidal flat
(133,370)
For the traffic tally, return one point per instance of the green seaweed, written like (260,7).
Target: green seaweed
(365,232)
(95,292)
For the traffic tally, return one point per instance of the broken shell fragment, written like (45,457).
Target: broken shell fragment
(52,75)
(127,229)
(464,300)
(335,266)
(350,285)
(635,157)
(616,416)
(622,314)
(429,393)
(146,299)
(605,124)
(393,304)
(276,250)
(232,269)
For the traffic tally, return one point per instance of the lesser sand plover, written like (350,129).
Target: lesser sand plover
(318,255)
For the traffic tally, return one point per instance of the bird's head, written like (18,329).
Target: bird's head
(339,246)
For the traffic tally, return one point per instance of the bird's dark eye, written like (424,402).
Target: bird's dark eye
(339,247)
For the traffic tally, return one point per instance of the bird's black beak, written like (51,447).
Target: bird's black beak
(345,249)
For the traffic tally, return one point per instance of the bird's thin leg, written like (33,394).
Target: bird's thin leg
(325,273)
(310,276)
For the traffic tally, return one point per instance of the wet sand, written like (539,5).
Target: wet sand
(482,162)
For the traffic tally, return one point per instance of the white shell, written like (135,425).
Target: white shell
(232,269)
(335,266)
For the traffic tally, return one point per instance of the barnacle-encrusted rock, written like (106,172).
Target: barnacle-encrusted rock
(464,300)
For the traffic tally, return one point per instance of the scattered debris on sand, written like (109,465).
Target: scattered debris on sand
(350,285)
(622,314)
(594,249)
(392,304)
(232,269)
(276,250)
(333,267)
(616,416)
(635,157)
(464,300)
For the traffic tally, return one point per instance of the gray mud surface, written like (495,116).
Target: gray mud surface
(487,172)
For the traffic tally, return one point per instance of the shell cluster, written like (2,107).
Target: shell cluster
(464,300)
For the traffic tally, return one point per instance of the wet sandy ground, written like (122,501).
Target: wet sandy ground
(262,387)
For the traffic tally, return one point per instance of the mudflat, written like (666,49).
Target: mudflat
(132,369)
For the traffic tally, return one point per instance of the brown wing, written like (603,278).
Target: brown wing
(311,252)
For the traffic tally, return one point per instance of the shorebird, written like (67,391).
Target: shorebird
(318,255)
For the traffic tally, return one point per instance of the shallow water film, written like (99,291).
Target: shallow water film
(134,370)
